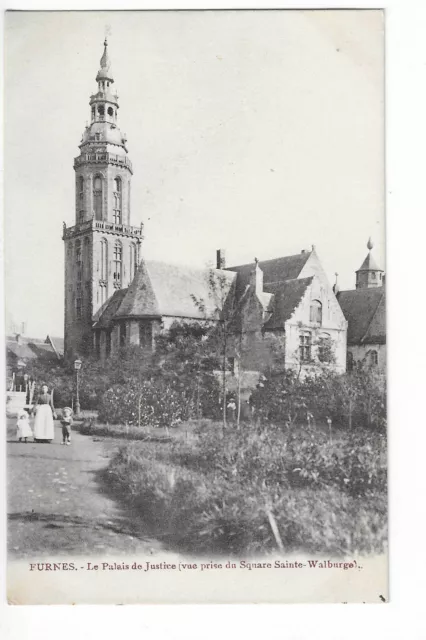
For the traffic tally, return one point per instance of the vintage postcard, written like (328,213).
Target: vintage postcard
(195,304)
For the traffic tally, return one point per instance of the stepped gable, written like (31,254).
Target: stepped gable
(365,311)
(287,297)
(163,289)
(275,270)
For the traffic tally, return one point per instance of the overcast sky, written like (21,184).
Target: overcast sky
(261,132)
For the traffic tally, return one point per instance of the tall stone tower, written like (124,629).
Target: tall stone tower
(102,249)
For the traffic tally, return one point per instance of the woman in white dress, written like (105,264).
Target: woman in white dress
(44,415)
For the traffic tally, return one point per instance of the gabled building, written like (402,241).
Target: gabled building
(282,310)
(365,310)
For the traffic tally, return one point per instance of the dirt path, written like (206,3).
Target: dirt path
(56,505)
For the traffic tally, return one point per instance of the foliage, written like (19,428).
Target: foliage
(217,494)
(355,399)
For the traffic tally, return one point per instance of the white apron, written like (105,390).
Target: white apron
(43,424)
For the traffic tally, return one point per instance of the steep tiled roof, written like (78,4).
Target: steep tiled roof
(162,289)
(287,296)
(57,344)
(27,349)
(365,311)
(275,270)
(107,314)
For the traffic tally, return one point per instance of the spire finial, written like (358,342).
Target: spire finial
(336,284)
(370,244)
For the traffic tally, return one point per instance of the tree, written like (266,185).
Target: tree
(221,309)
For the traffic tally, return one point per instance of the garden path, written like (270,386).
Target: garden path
(56,505)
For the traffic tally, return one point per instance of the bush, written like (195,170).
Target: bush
(357,399)
(219,494)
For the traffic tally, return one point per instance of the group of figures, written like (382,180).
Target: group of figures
(45,414)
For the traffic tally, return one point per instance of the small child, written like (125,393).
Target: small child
(23,428)
(66,422)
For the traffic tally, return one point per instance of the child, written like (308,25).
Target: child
(66,422)
(23,428)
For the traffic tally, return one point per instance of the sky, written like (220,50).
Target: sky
(260,132)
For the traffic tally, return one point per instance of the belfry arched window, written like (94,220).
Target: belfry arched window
(315,315)
(117,217)
(117,264)
(97,197)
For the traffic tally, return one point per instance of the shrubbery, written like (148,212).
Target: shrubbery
(357,399)
(218,494)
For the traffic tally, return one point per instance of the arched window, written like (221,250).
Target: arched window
(103,259)
(117,201)
(86,256)
(78,256)
(117,264)
(373,358)
(316,312)
(325,353)
(101,111)
(80,187)
(79,265)
(97,197)
(133,260)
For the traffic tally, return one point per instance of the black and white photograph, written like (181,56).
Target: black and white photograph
(195,294)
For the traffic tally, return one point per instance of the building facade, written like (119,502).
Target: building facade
(102,248)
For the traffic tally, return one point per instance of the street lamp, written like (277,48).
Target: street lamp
(77,367)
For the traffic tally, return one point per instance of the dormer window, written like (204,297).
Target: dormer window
(315,313)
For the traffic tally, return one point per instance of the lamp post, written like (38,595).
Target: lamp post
(77,367)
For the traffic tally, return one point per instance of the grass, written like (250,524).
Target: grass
(219,494)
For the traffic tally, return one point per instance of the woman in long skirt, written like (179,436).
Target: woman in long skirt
(44,414)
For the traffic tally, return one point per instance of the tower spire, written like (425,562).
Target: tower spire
(104,72)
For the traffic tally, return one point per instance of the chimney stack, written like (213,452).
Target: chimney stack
(220,259)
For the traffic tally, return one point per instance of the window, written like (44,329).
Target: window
(108,343)
(78,308)
(373,275)
(86,257)
(373,358)
(117,201)
(122,334)
(101,110)
(93,113)
(350,361)
(145,334)
(81,216)
(324,348)
(315,315)
(98,343)
(117,263)
(110,111)
(133,260)
(81,188)
(97,197)
(103,259)
(305,344)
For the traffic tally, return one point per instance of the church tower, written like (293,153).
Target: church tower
(369,275)
(102,249)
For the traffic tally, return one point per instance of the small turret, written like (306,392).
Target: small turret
(369,275)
